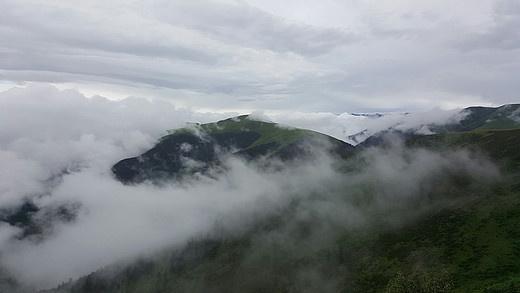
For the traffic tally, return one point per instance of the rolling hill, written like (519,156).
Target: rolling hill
(462,235)
(473,118)
(195,149)
(486,118)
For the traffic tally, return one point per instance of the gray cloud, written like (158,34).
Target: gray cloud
(232,55)
(344,125)
(44,132)
(386,189)
(65,29)
(245,25)
(47,134)
(503,34)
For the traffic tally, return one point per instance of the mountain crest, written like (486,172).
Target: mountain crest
(198,147)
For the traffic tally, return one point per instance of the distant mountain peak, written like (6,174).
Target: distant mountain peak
(468,119)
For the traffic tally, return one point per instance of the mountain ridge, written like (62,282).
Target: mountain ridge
(473,118)
(199,147)
(467,243)
(450,246)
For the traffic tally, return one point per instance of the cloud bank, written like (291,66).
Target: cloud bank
(45,132)
(355,128)
(57,148)
(245,55)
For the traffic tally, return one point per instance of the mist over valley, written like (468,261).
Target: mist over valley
(259,146)
(245,204)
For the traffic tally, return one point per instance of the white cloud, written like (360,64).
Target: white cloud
(116,222)
(264,55)
(45,132)
(342,126)
(57,148)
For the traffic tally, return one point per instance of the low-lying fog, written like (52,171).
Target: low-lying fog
(57,148)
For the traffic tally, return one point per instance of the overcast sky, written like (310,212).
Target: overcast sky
(279,56)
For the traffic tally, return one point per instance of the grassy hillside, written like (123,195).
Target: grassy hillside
(269,132)
(486,118)
(505,117)
(501,145)
(470,247)
(195,149)
(462,237)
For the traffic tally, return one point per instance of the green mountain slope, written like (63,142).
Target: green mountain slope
(474,118)
(485,118)
(197,148)
(472,247)
(460,235)
(501,145)
(465,238)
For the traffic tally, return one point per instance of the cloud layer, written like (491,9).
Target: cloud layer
(248,55)
(45,132)
(57,148)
